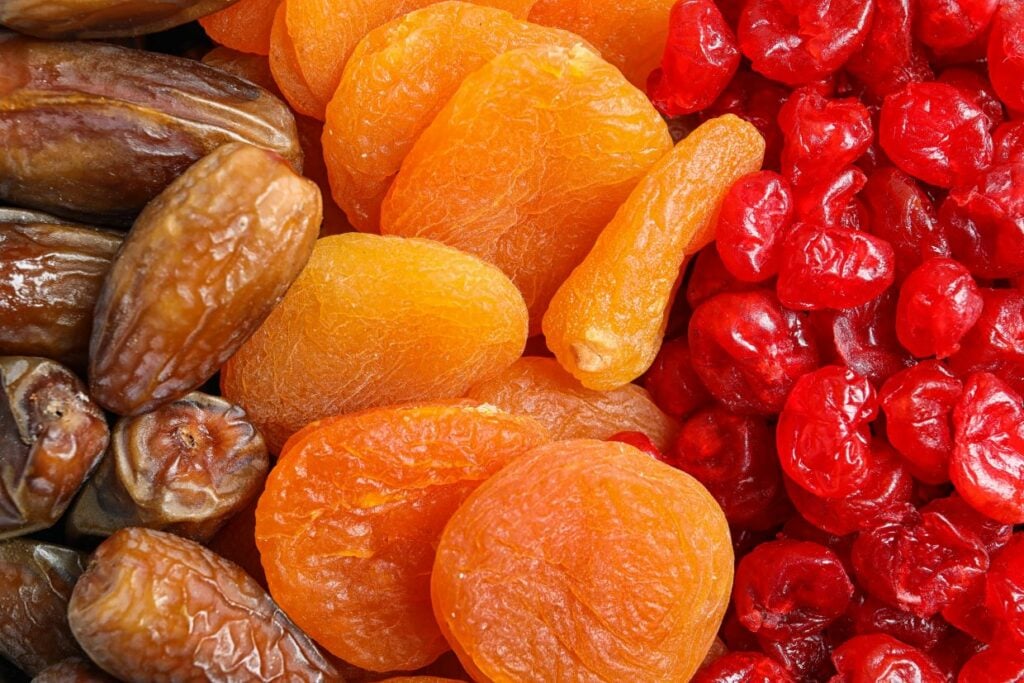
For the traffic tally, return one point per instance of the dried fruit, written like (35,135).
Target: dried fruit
(375,321)
(478,180)
(59,103)
(822,136)
(398,80)
(88,19)
(672,381)
(73,670)
(36,579)
(185,468)
(504,574)
(155,607)
(833,203)
(939,303)
(1004,589)
(755,216)
(945,24)
(879,658)
(608,318)
(243,25)
(1006,55)
(868,615)
(50,275)
(890,59)
(903,215)
(996,342)
(976,84)
(1003,662)
(203,266)
(864,337)
(540,388)
(749,667)
(353,511)
(53,436)
(805,657)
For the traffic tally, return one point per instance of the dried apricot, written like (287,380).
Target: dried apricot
(526,163)
(374,321)
(540,388)
(320,36)
(396,82)
(243,26)
(631,34)
(585,561)
(607,320)
(352,513)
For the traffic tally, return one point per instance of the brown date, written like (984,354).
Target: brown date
(50,275)
(35,585)
(88,19)
(73,670)
(93,132)
(51,438)
(185,467)
(202,267)
(156,607)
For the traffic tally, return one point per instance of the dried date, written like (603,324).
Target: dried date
(89,19)
(73,670)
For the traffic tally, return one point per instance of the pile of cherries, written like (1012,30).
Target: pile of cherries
(848,358)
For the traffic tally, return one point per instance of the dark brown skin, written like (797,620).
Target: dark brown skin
(35,585)
(186,468)
(154,608)
(203,266)
(51,438)
(93,132)
(73,670)
(50,276)
(90,19)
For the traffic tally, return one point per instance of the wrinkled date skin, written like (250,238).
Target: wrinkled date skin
(51,437)
(73,670)
(204,264)
(35,584)
(50,276)
(152,607)
(88,19)
(93,132)
(186,468)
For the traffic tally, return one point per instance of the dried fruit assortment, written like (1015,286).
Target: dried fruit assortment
(512,340)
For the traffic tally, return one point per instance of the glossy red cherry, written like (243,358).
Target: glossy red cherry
(946,24)
(890,58)
(755,216)
(672,381)
(868,615)
(821,136)
(743,667)
(996,342)
(1006,55)
(939,303)
(1004,590)
(880,658)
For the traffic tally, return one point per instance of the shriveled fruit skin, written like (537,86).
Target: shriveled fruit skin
(631,34)
(398,78)
(321,35)
(526,559)
(35,584)
(353,510)
(50,277)
(73,670)
(542,389)
(96,131)
(375,321)
(154,607)
(607,320)
(203,266)
(89,19)
(527,163)
(243,25)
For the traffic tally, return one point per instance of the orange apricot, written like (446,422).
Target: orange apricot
(243,26)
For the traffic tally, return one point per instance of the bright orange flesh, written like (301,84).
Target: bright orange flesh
(243,26)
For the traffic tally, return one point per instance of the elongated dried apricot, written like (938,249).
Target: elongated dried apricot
(542,389)
(374,321)
(352,512)
(607,320)
(631,34)
(396,82)
(526,163)
(584,561)
(244,25)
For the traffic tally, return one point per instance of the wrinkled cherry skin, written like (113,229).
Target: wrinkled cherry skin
(743,667)
(919,565)
(976,84)
(868,615)
(945,24)
(833,268)
(984,221)
(880,658)
(709,277)
(996,342)
(733,456)
(1004,590)
(901,213)
(832,203)
(790,588)
(821,136)
(701,57)
(863,338)
(805,657)
(890,59)
(988,455)
(672,381)
(1006,54)
(993,535)
(918,404)
(936,133)
(939,303)
(755,215)
(748,350)
(800,41)
(1009,142)
(755,99)
(884,494)
(1002,663)
(823,435)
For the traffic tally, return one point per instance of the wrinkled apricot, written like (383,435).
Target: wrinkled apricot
(527,163)
(396,82)
(243,26)
(352,513)
(540,388)
(606,323)
(374,321)
(584,561)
